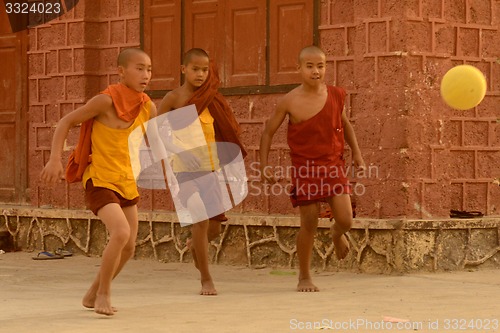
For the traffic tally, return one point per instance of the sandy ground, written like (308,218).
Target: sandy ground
(44,296)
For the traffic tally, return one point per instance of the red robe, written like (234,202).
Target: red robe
(128,103)
(317,153)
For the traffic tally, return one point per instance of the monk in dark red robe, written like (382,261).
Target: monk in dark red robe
(316,131)
(317,153)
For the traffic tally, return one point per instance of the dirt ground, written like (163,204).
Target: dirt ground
(44,296)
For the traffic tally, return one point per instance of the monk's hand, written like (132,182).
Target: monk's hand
(266,174)
(53,172)
(190,160)
(358,161)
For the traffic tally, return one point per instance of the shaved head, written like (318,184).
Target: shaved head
(195,52)
(125,55)
(308,50)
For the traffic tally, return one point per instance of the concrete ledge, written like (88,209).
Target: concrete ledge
(378,246)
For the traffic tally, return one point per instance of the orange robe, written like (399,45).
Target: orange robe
(226,128)
(111,166)
(128,104)
(317,153)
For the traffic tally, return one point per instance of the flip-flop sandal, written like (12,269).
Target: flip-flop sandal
(463,214)
(46,255)
(62,252)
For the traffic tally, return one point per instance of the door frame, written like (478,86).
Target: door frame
(20,195)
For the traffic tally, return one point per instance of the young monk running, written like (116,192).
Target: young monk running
(110,189)
(195,174)
(317,126)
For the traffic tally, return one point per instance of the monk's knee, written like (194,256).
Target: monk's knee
(120,236)
(342,225)
(214,229)
(128,251)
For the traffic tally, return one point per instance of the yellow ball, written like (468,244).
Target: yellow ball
(463,87)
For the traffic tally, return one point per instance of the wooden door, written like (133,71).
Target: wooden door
(13,106)
(162,41)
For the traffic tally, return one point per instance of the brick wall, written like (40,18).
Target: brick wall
(458,151)
(389,55)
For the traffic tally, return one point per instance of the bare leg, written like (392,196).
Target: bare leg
(214,230)
(189,244)
(200,247)
(199,242)
(305,242)
(111,217)
(342,213)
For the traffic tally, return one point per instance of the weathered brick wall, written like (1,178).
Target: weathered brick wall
(453,154)
(389,55)
(252,112)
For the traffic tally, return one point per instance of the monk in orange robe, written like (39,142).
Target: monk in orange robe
(196,172)
(101,162)
(316,130)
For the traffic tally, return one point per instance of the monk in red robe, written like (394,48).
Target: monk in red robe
(316,130)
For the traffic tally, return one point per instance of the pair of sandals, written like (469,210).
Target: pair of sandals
(457,214)
(60,253)
(463,214)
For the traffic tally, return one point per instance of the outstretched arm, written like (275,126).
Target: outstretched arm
(352,141)
(53,170)
(272,125)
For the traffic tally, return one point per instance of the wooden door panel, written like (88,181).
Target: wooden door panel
(8,96)
(204,27)
(8,159)
(291,30)
(13,106)
(245,44)
(162,41)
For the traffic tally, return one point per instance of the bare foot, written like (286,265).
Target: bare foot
(208,288)
(341,245)
(102,305)
(306,285)
(88,300)
(193,253)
